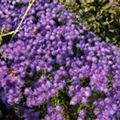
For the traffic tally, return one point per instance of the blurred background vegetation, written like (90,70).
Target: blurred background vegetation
(100,16)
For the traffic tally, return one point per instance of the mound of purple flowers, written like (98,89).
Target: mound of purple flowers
(52,53)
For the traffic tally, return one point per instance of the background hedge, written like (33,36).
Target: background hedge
(100,16)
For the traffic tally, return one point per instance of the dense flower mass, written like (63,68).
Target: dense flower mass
(51,53)
(9,14)
(53,113)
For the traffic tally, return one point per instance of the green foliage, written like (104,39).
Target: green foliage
(100,16)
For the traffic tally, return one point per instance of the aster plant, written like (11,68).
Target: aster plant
(54,69)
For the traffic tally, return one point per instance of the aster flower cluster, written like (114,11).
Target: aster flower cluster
(81,95)
(53,113)
(9,14)
(43,90)
(28,114)
(105,108)
(53,53)
(82,114)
